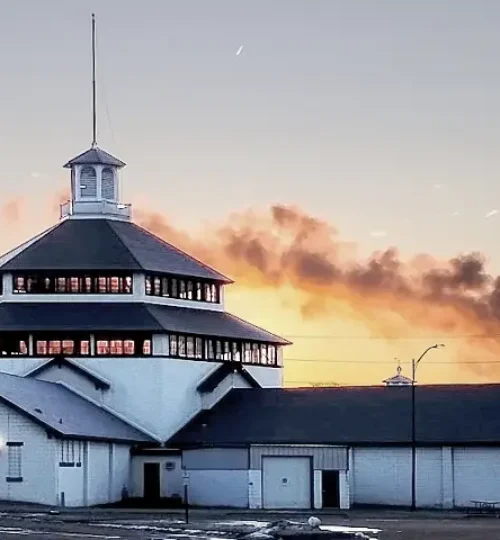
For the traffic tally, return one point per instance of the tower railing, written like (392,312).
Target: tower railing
(95,208)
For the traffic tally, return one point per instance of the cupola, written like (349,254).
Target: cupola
(94,175)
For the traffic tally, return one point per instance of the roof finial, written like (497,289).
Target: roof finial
(398,369)
(94,120)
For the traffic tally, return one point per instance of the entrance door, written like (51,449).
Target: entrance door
(152,481)
(330,489)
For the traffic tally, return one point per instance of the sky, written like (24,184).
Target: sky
(380,119)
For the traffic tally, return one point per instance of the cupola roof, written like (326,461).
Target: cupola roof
(95,156)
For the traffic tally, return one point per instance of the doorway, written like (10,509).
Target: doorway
(330,483)
(152,481)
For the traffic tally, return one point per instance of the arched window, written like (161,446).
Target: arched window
(88,183)
(108,184)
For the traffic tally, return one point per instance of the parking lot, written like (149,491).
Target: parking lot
(213,525)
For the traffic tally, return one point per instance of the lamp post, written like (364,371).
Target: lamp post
(414,366)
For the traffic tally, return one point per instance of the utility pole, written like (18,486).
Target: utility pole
(414,366)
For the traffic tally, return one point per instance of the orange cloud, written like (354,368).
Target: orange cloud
(389,306)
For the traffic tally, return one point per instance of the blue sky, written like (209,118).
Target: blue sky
(376,116)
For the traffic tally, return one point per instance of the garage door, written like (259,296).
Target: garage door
(286,482)
(476,475)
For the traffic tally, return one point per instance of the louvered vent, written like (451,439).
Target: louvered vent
(88,183)
(108,184)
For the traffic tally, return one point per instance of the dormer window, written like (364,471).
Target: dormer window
(88,182)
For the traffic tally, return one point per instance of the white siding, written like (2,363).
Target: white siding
(71,483)
(476,475)
(38,460)
(227,488)
(142,385)
(255,489)
(98,473)
(323,457)
(287,482)
(121,471)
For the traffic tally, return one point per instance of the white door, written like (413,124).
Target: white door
(286,482)
(476,475)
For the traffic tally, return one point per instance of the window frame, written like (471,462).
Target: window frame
(12,468)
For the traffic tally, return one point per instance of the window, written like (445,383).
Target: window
(227,350)
(198,291)
(118,346)
(173,345)
(182,289)
(70,453)
(14,462)
(14,344)
(182,346)
(72,284)
(190,347)
(19,284)
(66,345)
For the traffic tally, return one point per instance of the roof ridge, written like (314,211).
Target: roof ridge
(180,251)
(38,238)
(110,224)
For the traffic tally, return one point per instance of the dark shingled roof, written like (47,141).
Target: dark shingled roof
(445,414)
(119,316)
(95,156)
(212,381)
(106,245)
(63,412)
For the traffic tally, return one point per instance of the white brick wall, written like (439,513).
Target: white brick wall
(477,475)
(38,460)
(382,476)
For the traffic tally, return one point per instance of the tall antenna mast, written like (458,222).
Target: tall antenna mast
(94,114)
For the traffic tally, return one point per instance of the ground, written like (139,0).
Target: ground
(35,523)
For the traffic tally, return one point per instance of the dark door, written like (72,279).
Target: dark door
(152,481)
(330,489)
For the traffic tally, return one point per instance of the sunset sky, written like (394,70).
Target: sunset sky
(342,128)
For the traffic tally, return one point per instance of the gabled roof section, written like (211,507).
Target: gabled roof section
(213,379)
(125,316)
(95,156)
(371,415)
(106,245)
(61,361)
(64,413)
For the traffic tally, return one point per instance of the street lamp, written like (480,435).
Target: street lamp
(414,366)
